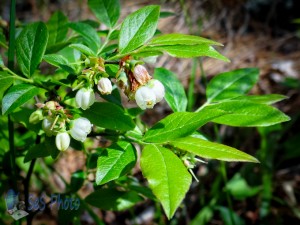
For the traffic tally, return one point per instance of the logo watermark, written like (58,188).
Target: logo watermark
(17,208)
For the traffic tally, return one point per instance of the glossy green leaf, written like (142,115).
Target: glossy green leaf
(58,28)
(175,94)
(88,33)
(181,39)
(109,115)
(83,49)
(30,47)
(6,80)
(112,199)
(36,151)
(16,96)
(59,61)
(248,114)
(138,28)
(107,12)
(180,124)
(188,51)
(167,176)
(115,161)
(231,84)
(262,99)
(211,150)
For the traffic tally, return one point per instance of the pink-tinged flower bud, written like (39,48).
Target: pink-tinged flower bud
(158,88)
(80,128)
(141,74)
(104,86)
(62,141)
(145,97)
(84,98)
(36,116)
(46,125)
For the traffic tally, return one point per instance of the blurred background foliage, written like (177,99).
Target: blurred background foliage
(255,33)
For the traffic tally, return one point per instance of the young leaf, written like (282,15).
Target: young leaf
(58,28)
(112,199)
(262,99)
(88,33)
(211,150)
(175,94)
(115,161)
(248,114)
(59,61)
(83,49)
(109,115)
(107,12)
(30,47)
(6,80)
(180,124)
(231,84)
(188,51)
(16,96)
(138,28)
(167,176)
(181,39)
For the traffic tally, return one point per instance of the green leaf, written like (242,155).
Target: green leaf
(83,49)
(16,96)
(167,176)
(6,80)
(109,115)
(166,14)
(77,180)
(231,84)
(59,61)
(2,39)
(1,61)
(50,146)
(138,28)
(115,161)
(175,95)
(30,47)
(262,99)
(211,150)
(107,12)
(248,114)
(239,188)
(229,217)
(88,33)
(58,28)
(181,39)
(112,199)
(188,51)
(180,124)
(36,151)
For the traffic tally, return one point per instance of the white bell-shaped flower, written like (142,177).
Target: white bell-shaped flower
(46,125)
(145,97)
(158,88)
(62,141)
(104,86)
(80,128)
(84,98)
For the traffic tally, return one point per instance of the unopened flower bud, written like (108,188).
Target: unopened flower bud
(80,128)
(51,105)
(36,117)
(145,97)
(46,125)
(84,98)
(62,141)
(141,74)
(158,88)
(104,86)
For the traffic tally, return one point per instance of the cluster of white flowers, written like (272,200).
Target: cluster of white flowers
(80,128)
(150,92)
